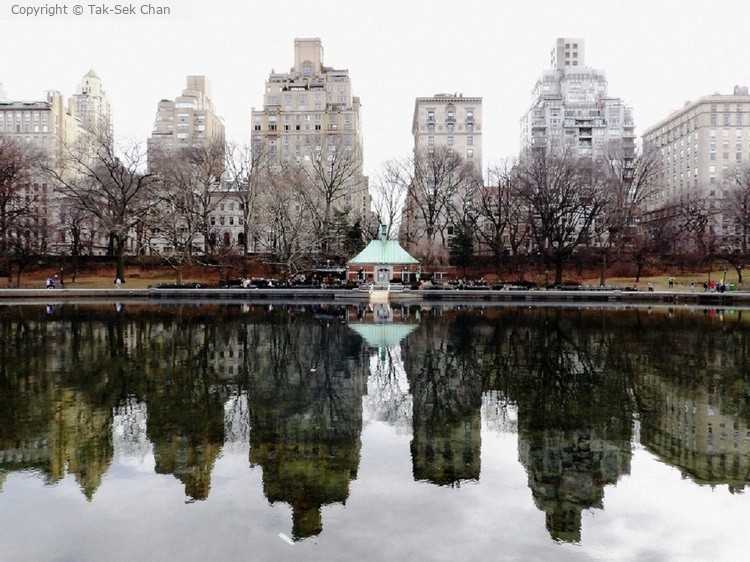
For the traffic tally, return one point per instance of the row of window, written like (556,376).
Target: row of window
(25,128)
(450,141)
(450,114)
(469,152)
(231,221)
(24,116)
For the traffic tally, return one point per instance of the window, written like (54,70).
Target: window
(430,115)
(469,153)
(450,141)
(469,141)
(430,141)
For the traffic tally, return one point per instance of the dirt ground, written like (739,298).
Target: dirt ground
(137,277)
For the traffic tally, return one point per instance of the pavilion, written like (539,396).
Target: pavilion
(383,261)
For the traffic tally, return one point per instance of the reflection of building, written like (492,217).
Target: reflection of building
(306,417)
(688,427)
(447,397)
(567,471)
(384,328)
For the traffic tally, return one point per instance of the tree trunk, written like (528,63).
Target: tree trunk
(603,272)
(120,254)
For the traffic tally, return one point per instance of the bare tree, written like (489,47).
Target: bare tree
(502,219)
(329,179)
(17,202)
(290,237)
(631,182)
(734,246)
(172,227)
(194,172)
(108,181)
(695,219)
(565,195)
(437,179)
(247,167)
(389,195)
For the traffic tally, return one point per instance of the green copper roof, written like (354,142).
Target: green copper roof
(383,335)
(385,252)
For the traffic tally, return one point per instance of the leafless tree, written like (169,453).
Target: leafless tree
(194,172)
(389,195)
(437,179)
(734,246)
(565,195)
(503,220)
(328,178)
(17,203)
(289,236)
(247,167)
(109,182)
(631,181)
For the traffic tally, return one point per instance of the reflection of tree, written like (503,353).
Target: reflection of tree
(306,417)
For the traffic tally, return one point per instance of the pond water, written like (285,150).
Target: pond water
(219,431)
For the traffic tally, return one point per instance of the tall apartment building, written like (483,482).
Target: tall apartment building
(452,121)
(572,109)
(311,109)
(700,147)
(47,127)
(188,120)
(91,105)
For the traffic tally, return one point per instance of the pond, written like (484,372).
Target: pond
(228,431)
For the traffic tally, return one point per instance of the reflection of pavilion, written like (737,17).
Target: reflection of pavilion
(383,329)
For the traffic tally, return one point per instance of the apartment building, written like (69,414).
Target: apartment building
(572,108)
(48,128)
(452,121)
(91,105)
(188,120)
(312,111)
(700,147)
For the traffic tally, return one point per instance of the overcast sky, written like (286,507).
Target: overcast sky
(657,54)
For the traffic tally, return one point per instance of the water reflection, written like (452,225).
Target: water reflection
(180,386)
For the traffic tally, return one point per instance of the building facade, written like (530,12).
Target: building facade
(447,131)
(190,120)
(310,115)
(699,149)
(91,105)
(452,121)
(573,110)
(48,128)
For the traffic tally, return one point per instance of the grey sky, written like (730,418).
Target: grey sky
(657,54)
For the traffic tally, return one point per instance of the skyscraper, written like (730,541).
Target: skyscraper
(309,115)
(90,104)
(188,120)
(573,110)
